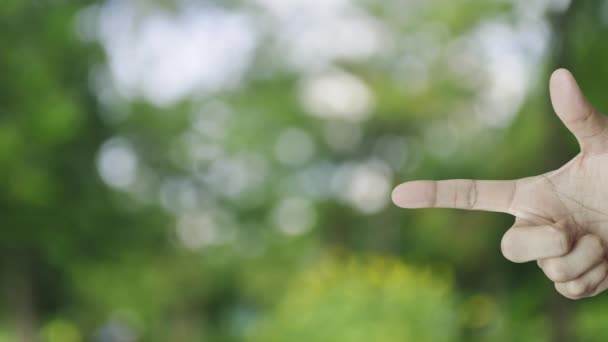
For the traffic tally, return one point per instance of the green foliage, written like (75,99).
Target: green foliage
(363,299)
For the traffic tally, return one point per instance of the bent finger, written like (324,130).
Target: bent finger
(586,253)
(523,244)
(589,284)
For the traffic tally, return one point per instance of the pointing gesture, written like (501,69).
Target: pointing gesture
(561,216)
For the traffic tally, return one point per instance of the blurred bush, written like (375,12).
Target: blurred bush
(363,299)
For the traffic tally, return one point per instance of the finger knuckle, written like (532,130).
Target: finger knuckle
(472,194)
(563,240)
(563,290)
(578,288)
(556,270)
(593,241)
(508,246)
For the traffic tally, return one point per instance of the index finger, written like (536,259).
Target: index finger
(457,193)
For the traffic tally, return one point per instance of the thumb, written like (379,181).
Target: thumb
(586,123)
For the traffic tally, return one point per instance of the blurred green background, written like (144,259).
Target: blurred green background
(221,170)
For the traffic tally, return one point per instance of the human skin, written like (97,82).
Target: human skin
(561,217)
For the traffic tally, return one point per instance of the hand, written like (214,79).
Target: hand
(561,216)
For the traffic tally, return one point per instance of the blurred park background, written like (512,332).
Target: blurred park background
(220,170)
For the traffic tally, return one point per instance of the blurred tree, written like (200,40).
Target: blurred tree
(56,212)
